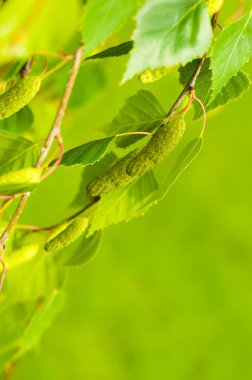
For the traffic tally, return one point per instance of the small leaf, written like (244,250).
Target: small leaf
(232,49)
(20,122)
(87,154)
(142,112)
(114,51)
(169,33)
(232,90)
(102,18)
(123,203)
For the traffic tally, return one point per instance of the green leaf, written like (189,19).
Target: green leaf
(17,152)
(232,90)
(14,320)
(169,33)
(102,18)
(33,279)
(124,203)
(114,51)
(87,154)
(20,122)
(232,49)
(83,253)
(189,153)
(19,181)
(40,322)
(142,112)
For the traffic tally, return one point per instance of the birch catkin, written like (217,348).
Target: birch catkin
(115,177)
(160,146)
(63,237)
(19,95)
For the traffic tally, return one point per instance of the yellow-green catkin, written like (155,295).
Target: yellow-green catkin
(213,6)
(115,177)
(153,75)
(19,95)
(19,180)
(68,235)
(160,146)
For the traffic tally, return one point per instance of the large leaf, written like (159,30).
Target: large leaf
(40,322)
(232,90)
(142,112)
(124,203)
(102,18)
(184,160)
(231,51)
(20,122)
(114,51)
(168,33)
(87,154)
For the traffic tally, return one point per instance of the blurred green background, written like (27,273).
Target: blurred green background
(169,295)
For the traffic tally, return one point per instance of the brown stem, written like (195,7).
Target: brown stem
(54,133)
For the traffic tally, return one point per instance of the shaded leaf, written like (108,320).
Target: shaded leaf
(169,33)
(124,203)
(233,89)
(189,153)
(17,152)
(87,154)
(142,112)
(20,122)
(85,251)
(102,18)
(232,49)
(40,322)
(114,51)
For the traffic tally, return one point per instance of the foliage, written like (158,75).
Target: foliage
(168,35)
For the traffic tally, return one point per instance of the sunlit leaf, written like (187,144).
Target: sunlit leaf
(87,154)
(102,18)
(232,49)
(169,33)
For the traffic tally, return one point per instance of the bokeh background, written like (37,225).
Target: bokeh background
(169,295)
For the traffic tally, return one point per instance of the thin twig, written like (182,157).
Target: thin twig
(204,114)
(54,133)
(51,228)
